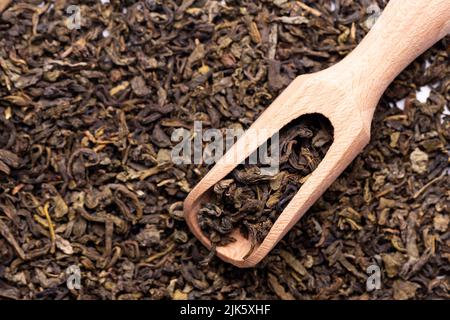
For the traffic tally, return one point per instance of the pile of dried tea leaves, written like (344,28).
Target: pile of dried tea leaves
(250,200)
(87,185)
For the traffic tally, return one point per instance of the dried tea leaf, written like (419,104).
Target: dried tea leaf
(148,236)
(278,288)
(139,86)
(419,161)
(393,263)
(179,295)
(404,290)
(292,20)
(293,263)
(64,245)
(119,88)
(9,158)
(441,222)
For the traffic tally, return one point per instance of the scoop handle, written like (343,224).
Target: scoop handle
(4,4)
(405,29)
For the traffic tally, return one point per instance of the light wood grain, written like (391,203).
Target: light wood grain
(347,95)
(4,4)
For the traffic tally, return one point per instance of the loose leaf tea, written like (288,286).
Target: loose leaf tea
(250,200)
(88,189)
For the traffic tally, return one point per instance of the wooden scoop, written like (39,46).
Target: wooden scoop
(4,4)
(347,94)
